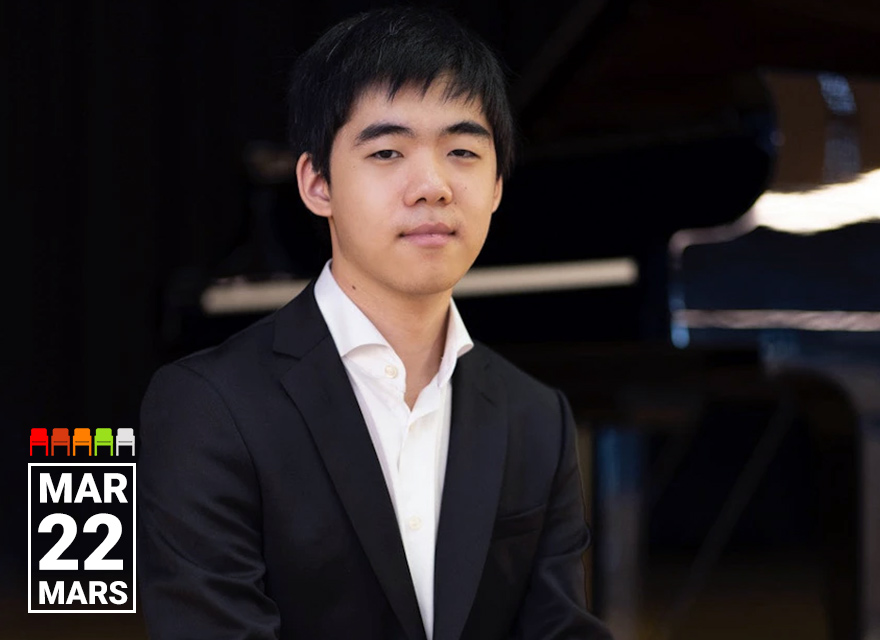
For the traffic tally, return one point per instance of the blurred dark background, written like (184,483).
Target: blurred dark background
(727,458)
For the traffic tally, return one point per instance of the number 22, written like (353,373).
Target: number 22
(95,561)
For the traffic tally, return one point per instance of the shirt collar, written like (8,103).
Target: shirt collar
(351,329)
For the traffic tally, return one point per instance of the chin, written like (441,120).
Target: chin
(430,284)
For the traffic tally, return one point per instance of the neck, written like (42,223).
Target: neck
(414,326)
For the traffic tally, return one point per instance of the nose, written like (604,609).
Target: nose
(427,183)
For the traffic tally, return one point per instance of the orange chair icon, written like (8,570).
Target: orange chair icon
(39,438)
(82,437)
(60,437)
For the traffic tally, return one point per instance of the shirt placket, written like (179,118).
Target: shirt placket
(417,481)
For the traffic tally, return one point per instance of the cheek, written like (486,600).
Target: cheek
(361,204)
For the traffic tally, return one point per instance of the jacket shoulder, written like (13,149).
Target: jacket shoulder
(520,385)
(250,344)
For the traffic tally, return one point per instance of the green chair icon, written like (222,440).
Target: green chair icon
(104,438)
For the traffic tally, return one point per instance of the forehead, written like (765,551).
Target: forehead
(415,105)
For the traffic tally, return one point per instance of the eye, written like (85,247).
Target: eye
(463,153)
(385,154)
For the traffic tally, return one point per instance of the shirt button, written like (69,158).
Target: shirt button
(414,523)
(390,371)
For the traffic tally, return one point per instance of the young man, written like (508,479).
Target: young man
(354,465)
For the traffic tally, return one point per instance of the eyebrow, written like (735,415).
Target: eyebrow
(379,129)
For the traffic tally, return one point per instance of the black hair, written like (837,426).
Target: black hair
(393,47)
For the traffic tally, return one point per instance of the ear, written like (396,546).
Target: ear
(496,197)
(313,187)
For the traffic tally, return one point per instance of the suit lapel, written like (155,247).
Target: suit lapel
(471,489)
(318,384)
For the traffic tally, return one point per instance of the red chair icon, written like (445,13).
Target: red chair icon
(39,438)
(60,438)
(82,438)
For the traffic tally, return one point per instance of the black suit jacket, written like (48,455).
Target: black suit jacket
(263,511)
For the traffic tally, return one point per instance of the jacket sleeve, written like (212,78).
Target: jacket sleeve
(555,602)
(200,567)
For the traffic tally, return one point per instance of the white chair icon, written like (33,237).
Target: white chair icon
(124,437)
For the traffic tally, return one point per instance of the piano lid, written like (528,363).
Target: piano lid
(804,258)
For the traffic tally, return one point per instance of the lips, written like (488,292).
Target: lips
(437,228)
(429,235)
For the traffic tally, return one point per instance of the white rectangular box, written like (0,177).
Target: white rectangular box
(79,468)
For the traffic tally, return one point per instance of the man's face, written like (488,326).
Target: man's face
(413,190)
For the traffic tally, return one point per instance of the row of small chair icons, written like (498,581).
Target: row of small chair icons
(81,438)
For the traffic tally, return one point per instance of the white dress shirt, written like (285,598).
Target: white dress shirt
(411,445)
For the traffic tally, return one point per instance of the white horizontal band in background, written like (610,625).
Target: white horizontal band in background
(238,296)
(777,319)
